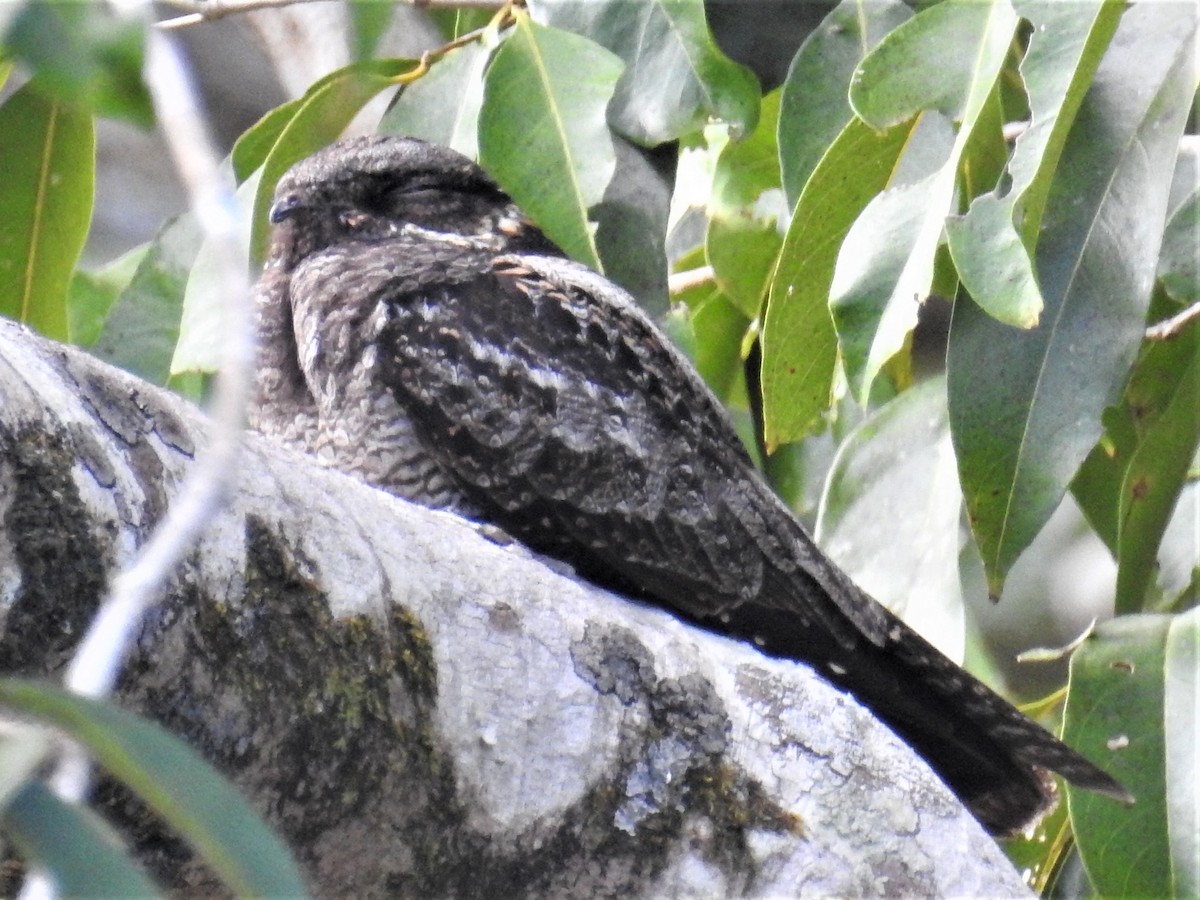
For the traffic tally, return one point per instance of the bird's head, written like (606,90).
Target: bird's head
(369,188)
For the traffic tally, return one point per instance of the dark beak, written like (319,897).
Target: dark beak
(285,208)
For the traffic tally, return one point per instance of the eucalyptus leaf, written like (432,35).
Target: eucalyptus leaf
(993,244)
(173,781)
(319,118)
(676,77)
(742,241)
(91,295)
(542,130)
(1130,483)
(48,149)
(82,855)
(799,344)
(1115,715)
(946,59)
(1025,406)
(898,467)
(142,327)
(815,105)
(86,55)
(444,105)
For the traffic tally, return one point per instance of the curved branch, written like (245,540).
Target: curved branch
(424,708)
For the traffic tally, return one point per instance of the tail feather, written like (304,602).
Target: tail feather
(994,758)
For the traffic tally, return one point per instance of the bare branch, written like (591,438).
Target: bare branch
(1169,328)
(101,653)
(679,282)
(199,11)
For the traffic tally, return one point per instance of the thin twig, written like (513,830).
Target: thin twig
(200,11)
(1169,328)
(101,653)
(678,282)
(97,661)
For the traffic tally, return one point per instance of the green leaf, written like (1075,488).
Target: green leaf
(203,320)
(993,243)
(86,55)
(454,23)
(250,150)
(887,261)
(542,130)
(742,241)
(48,150)
(1179,262)
(1117,715)
(815,105)
(1181,703)
(173,781)
(676,79)
(444,105)
(320,117)
(1025,406)
(1178,578)
(142,329)
(91,295)
(77,849)
(898,466)
(1130,483)
(369,20)
(946,59)
(631,226)
(799,345)
(720,328)
(23,750)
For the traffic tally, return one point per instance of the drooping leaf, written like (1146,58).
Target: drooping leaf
(1179,261)
(742,241)
(48,152)
(799,344)
(91,295)
(318,119)
(1025,406)
(898,466)
(454,23)
(1115,715)
(1181,715)
(369,20)
(945,59)
(720,328)
(1131,481)
(81,854)
(251,149)
(23,750)
(1178,573)
(631,226)
(887,261)
(542,129)
(204,316)
(676,77)
(142,328)
(173,781)
(815,106)
(444,105)
(86,55)
(993,243)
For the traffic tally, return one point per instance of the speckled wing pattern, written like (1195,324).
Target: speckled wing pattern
(565,417)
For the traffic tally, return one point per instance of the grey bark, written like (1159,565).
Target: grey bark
(421,706)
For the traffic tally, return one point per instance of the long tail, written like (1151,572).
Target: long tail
(992,756)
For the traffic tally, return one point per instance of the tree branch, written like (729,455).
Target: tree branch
(422,710)
(200,11)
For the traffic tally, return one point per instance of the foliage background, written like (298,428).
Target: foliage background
(927,264)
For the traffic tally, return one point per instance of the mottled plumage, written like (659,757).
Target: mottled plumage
(420,333)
